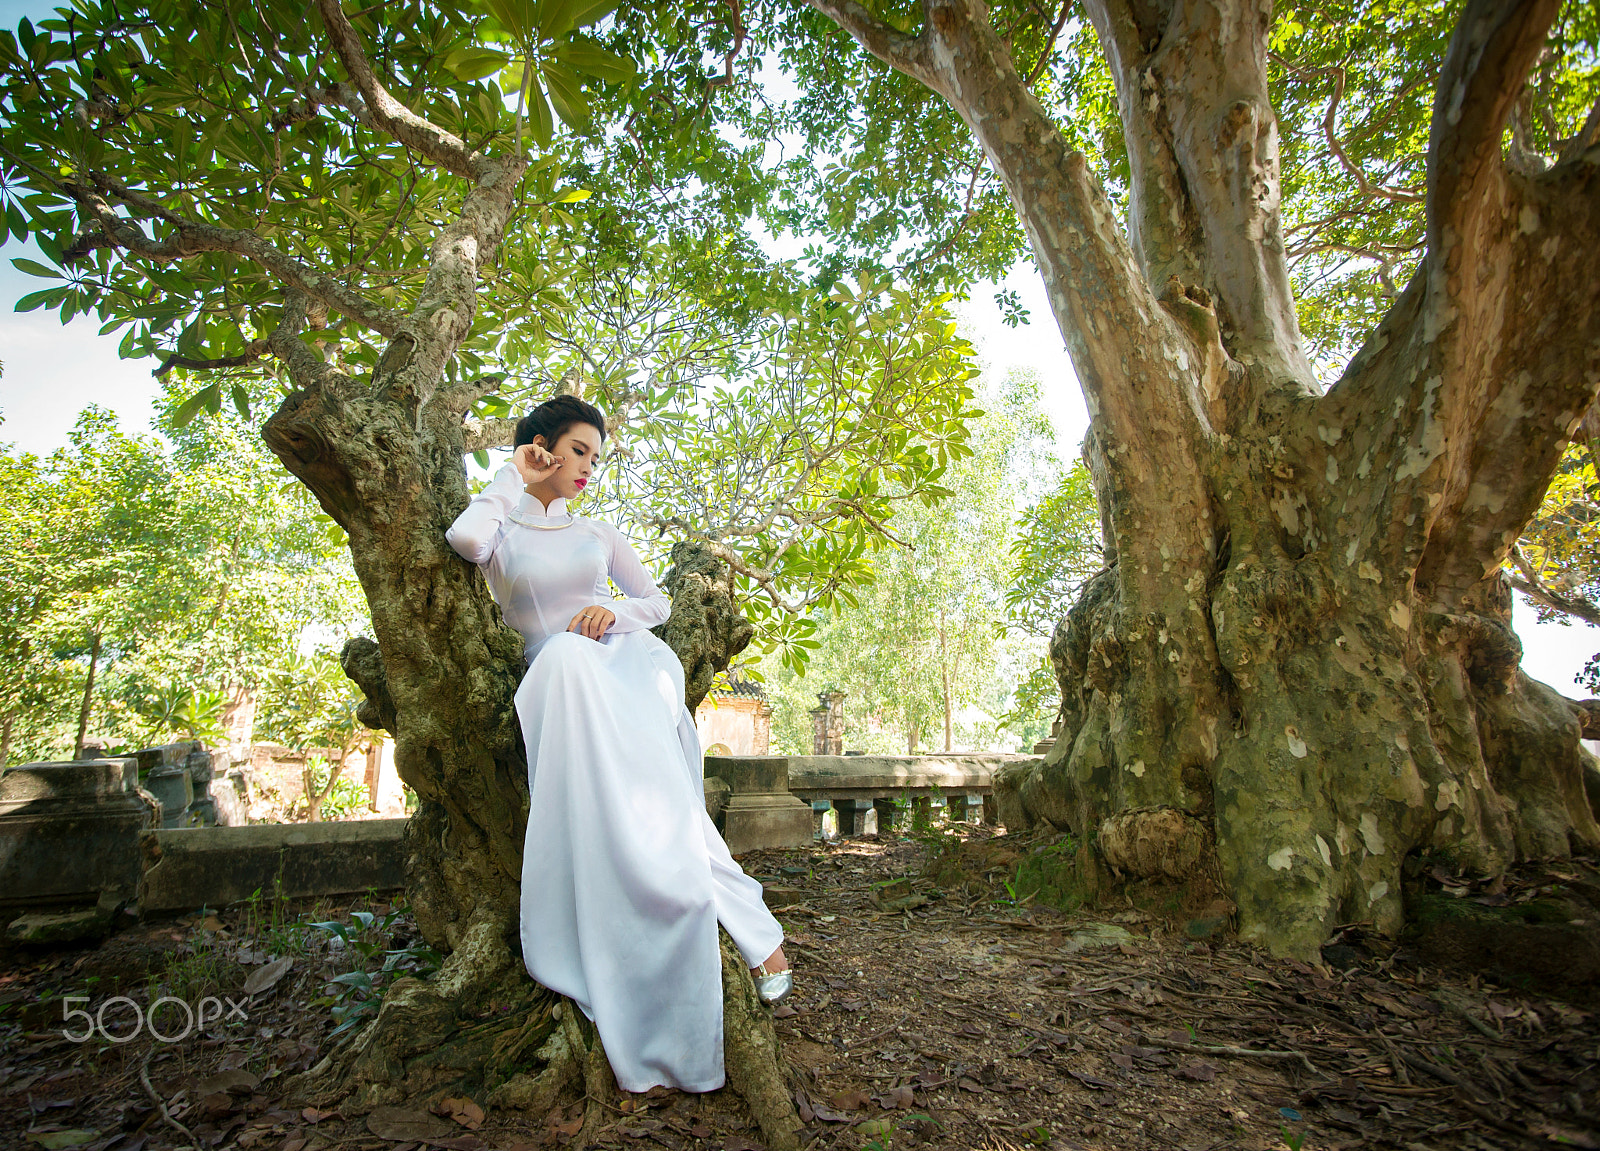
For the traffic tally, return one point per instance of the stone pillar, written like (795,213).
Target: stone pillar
(966,808)
(819,811)
(69,832)
(852,816)
(921,811)
(888,815)
(239,717)
(761,811)
(827,724)
(761,740)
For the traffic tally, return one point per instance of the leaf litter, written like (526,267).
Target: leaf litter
(942,1015)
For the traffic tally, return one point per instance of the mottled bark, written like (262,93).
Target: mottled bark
(1303,641)
(705,627)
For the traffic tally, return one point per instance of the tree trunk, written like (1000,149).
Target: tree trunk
(1303,643)
(88,697)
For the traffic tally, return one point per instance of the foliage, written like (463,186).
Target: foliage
(307,702)
(1057,545)
(358,993)
(194,564)
(630,271)
(931,643)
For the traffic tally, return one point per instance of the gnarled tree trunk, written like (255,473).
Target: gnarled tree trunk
(1304,643)
(383,455)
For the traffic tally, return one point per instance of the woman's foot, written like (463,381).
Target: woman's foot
(773,978)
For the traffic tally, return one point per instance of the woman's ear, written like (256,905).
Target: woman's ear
(538,441)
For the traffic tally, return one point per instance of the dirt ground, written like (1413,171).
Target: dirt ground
(949,1015)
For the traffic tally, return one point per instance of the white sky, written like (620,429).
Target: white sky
(53,371)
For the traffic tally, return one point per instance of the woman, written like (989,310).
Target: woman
(624,877)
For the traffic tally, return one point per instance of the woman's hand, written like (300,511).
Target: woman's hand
(592,621)
(534,463)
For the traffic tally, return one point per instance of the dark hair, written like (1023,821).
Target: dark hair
(552,418)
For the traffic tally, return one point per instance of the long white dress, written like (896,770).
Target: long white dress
(624,876)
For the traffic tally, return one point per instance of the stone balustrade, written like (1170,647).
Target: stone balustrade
(868,793)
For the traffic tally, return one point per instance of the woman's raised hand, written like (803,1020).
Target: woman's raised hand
(534,463)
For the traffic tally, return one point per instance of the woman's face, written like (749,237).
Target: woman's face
(579,449)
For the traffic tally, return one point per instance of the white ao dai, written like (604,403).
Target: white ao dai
(624,876)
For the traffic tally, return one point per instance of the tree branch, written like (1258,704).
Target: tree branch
(191,238)
(459,397)
(389,114)
(1579,607)
(1494,45)
(479,435)
(904,53)
(252,352)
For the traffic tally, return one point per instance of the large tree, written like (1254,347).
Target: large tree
(1304,641)
(378,210)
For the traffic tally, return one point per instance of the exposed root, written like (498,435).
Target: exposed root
(750,1054)
(482,1029)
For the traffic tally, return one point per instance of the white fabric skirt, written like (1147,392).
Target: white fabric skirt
(624,876)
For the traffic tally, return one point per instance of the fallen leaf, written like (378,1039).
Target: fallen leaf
(463,1111)
(1199,1071)
(1092,1081)
(406,1124)
(850,1100)
(783,1011)
(312,1115)
(235,1082)
(969,1085)
(895,1098)
(264,978)
(876,1127)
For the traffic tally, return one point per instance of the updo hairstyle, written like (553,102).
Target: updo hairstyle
(554,417)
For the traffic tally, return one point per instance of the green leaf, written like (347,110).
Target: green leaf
(566,93)
(187,410)
(586,12)
(481,458)
(539,120)
(38,299)
(34,268)
(592,61)
(475,63)
(241,401)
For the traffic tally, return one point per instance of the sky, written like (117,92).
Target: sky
(51,372)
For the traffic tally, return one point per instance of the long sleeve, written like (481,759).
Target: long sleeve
(646,605)
(478,529)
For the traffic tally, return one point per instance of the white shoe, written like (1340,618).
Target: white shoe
(772,988)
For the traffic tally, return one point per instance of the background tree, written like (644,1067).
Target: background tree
(201,571)
(1303,641)
(935,634)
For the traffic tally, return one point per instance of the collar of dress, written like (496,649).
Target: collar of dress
(530,510)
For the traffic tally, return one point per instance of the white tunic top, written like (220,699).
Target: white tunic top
(541,579)
(624,876)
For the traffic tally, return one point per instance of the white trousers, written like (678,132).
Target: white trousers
(624,876)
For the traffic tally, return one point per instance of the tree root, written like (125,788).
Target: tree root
(483,1030)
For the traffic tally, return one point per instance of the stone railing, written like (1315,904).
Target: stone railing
(777,801)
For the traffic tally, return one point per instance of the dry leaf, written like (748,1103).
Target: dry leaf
(264,978)
(463,1111)
(1200,1072)
(850,1100)
(898,1097)
(312,1115)
(236,1081)
(407,1124)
